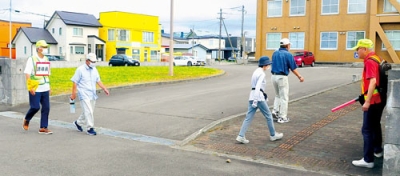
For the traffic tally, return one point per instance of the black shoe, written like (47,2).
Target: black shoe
(78,126)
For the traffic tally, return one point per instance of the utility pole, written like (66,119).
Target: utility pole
(171,42)
(242,45)
(220,31)
(10,45)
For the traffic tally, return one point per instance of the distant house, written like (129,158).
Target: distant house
(5,36)
(197,50)
(77,35)
(249,43)
(136,35)
(26,39)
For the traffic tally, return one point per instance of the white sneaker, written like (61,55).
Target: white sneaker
(282,120)
(276,137)
(242,140)
(378,155)
(362,163)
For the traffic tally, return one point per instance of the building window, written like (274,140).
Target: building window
(24,49)
(123,35)
(60,31)
(79,50)
(52,30)
(296,40)
(353,37)
(136,54)
(357,6)
(394,39)
(388,7)
(89,48)
(273,40)
(329,40)
(78,32)
(330,7)
(71,48)
(274,8)
(297,7)
(148,37)
(60,49)
(111,35)
(154,55)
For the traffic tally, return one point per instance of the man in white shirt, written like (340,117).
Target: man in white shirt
(85,79)
(39,95)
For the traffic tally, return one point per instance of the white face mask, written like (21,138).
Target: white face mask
(91,64)
(45,51)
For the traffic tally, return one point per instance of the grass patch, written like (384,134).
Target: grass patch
(61,83)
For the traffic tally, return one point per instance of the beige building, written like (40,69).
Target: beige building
(329,28)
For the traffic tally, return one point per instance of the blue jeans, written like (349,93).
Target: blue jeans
(262,105)
(372,131)
(42,98)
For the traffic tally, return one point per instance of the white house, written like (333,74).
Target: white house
(76,34)
(26,38)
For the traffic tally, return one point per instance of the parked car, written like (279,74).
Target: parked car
(304,58)
(54,58)
(185,60)
(231,59)
(123,60)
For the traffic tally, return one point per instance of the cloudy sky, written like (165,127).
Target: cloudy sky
(202,15)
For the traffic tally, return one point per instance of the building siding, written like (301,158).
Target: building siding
(313,23)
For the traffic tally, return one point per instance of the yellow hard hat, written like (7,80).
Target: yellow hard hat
(41,43)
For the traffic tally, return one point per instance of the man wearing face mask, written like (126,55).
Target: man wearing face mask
(257,100)
(38,84)
(85,79)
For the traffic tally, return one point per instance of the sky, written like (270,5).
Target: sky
(200,15)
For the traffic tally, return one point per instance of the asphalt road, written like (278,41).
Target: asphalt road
(163,114)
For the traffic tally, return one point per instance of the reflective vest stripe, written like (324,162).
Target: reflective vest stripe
(42,79)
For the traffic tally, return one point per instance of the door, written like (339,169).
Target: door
(121,50)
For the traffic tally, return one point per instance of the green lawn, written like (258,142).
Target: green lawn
(119,76)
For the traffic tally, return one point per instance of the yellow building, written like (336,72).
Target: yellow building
(136,35)
(329,29)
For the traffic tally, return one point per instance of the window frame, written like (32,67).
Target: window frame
(60,31)
(330,13)
(391,40)
(294,42)
(357,4)
(387,3)
(81,53)
(274,40)
(336,41)
(304,8)
(147,37)
(269,2)
(356,39)
(76,30)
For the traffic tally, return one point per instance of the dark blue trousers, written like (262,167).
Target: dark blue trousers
(372,131)
(40,98)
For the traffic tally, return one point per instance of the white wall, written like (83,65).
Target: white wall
(57,23)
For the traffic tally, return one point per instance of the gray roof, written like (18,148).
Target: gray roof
(78,19)
(35,34)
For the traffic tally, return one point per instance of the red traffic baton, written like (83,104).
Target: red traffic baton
(344,105)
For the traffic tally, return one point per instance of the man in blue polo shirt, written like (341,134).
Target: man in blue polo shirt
(282,62)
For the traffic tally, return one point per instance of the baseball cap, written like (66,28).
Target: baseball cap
(41,43)
(91,57)
(285,41)
(264,60)
(365,43)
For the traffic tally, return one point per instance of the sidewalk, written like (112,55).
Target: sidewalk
(315,139)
